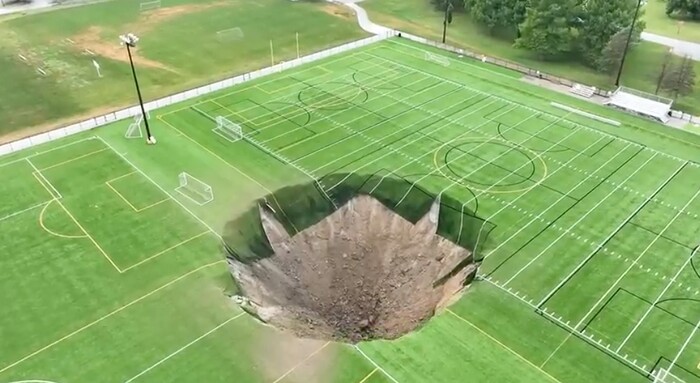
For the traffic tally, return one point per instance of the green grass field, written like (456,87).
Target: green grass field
(180,49)
(112,275)
(658,22)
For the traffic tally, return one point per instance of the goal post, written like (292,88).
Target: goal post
(134,130)
(194,189)
(442,60)
(231,34)
(228,129)
(149,5)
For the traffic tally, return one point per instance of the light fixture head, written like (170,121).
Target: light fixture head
(129,39)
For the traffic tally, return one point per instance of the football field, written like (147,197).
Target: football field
(113,269)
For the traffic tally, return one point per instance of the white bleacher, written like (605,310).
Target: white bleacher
(583,91)
(642,103)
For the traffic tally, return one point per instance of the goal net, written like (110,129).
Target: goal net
(194,189)
(663,375)
(232,34)
(642,103)
(149,5)
(228,129)
(442,60)
(134,129)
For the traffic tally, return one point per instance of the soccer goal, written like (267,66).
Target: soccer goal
(663,375)
(231,34)
(194,189)
(134,130)
(228,129)
(442,60)
(149,5)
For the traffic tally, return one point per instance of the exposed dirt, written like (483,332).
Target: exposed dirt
(363,272)
(338,10)
(280,354)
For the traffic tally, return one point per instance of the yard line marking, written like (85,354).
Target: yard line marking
(72,159)
(632,264)
(550,206)
(8,216)
(302,362)
(678,355)
(502,345)
(377,366)
(184,348)
(670,282)
(35,154)
(206,225)
(579,220)
(87,326)
(186,241)
(568,336)
(58,201)
(43,226)
(369,375)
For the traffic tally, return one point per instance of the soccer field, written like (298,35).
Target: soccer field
(114,273)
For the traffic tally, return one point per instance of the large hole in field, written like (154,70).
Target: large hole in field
(374,258)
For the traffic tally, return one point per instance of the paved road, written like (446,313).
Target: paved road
(680,47)
(18,8)
(363,19)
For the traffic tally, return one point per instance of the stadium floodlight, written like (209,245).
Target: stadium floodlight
(130,41)
(627,44)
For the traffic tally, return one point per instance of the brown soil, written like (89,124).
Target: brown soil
(338,10)
(363,272)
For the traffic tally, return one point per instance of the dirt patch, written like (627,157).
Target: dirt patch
(150,19)
(363,272)
(339,11)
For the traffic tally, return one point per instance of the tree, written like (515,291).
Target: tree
(610,58)
(665,65)
(498,13)
(549,28)
(603,19)
(685,8)
(441,5)
(679,78)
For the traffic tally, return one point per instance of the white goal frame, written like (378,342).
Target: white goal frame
(145,6)
(231,34)
(442,60)
(194,186)
(134,130)
(228,129)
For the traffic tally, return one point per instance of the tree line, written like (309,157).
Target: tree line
(594,32)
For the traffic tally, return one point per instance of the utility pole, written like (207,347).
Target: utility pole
(627,44)
(448,19)
(130,41)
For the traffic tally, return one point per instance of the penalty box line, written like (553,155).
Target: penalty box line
(110,314)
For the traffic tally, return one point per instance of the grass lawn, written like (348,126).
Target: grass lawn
(112,275)
(659,23)
(419,17)
(179,49)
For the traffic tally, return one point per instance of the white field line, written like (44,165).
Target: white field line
(527,107)
(44,181)
(375,364)
(378,141)
(183,348)
(416,159)
(24,210)
(456,181)
(680,352)
(670,282)
(632,264)
(551,205)
(35,154)
(429,88)
(308,357)
(206,225)
(579,220)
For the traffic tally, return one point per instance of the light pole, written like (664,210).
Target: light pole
(448,19)
(627,44)
(130,41)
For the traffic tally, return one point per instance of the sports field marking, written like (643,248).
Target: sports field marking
(51,232)
(233,113)
(680,352)
(206,225)
(670,282)
(545,373)
(375,364)
(80,157)
(188,240)
(579,220)
(566,339)
(55,194)
(8,216)
(369,375)
(44,151)
(87,326)
(551,206)
(183,348)
(58,201)
(301,362)
(634,262)
(109,184)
